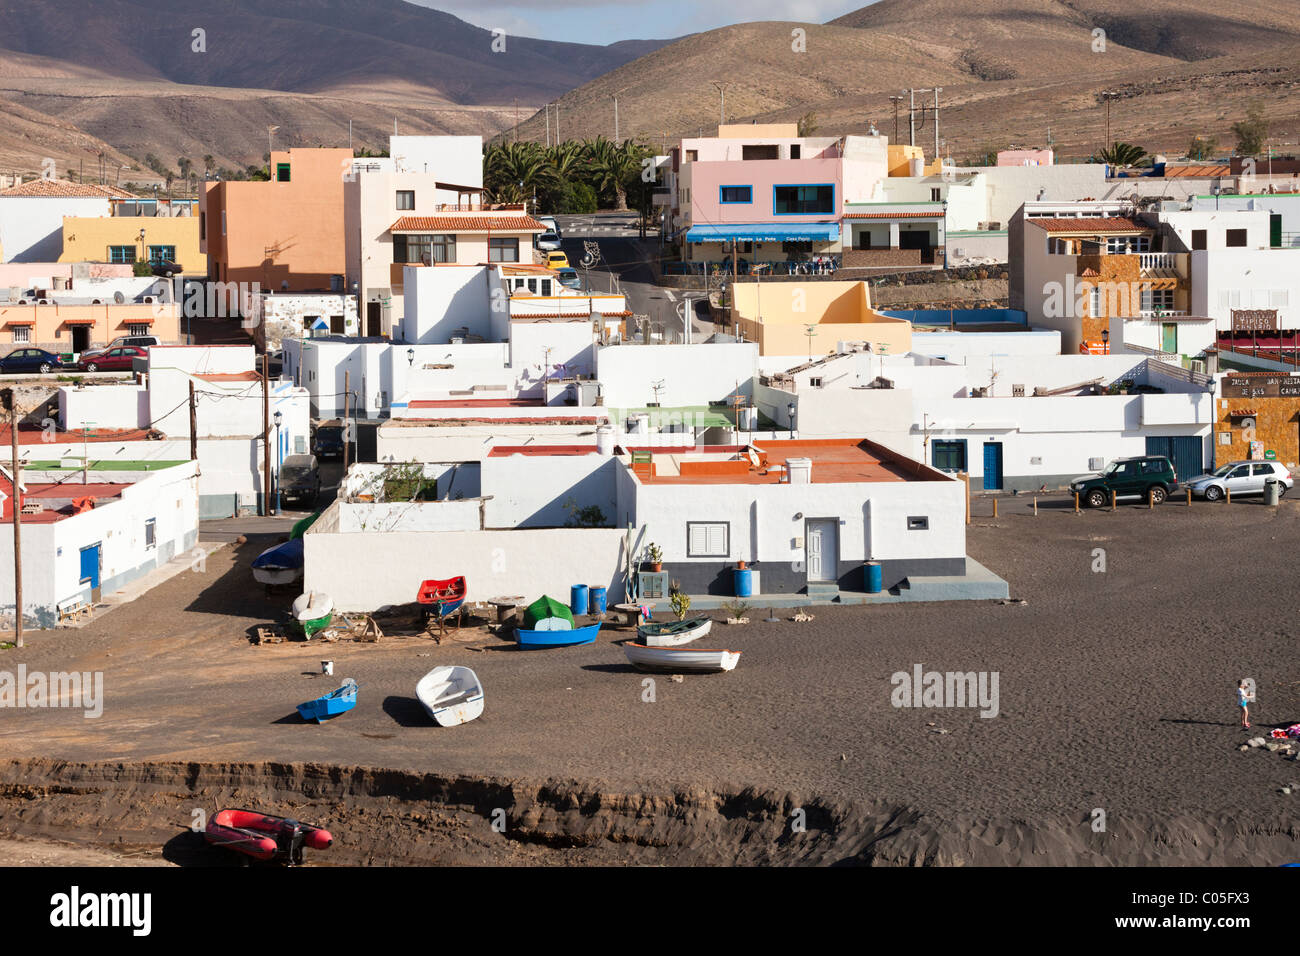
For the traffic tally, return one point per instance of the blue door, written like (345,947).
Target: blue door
(90,565)
(993,466)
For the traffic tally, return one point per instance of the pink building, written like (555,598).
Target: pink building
(1026,157)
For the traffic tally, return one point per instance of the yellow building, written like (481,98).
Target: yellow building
(65,328)
(128,239)
(812,318)
(900,161)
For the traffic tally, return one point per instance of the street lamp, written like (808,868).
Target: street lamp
(279,455)
(410,357)
(1105,341)
(789,408)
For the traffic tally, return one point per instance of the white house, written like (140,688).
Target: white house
(32,213)
(85,539)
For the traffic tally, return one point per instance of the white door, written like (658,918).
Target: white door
(822,551)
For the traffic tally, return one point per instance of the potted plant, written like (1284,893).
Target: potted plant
(741,565)
(654,556)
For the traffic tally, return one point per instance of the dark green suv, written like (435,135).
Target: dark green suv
(1148,476)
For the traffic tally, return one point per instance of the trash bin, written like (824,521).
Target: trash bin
(744,580)
(874,577)
(597,594)
(578,599)
(1272,491)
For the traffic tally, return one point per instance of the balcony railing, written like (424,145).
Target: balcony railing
(1157,260)
(480,207)
(1160,313)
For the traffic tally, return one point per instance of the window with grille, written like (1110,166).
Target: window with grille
(121,255)
(150,533)
(137,329)
(22,334)
(159,254)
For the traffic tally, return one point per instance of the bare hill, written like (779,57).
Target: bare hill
(1011,70)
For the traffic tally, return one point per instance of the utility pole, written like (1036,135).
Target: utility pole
(937,91)
(911,118)
(194,427)
(16,503)
(266,434)
(895,100)
(1107,95)
(722,105)
(548,125)
(347,419)
(616,130)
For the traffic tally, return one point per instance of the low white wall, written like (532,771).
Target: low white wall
(528,491)
(690,374)
(367,570)
(409,516)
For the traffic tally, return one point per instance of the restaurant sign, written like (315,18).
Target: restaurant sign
(1254,320)
(1261,386)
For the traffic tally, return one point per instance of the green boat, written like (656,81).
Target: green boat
(300,527)
(312,612)
(547,614)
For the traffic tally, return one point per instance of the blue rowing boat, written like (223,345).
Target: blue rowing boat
(332,704)
(548,623)
(281,564)
(534,640)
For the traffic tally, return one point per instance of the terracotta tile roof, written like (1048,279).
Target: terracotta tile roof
(893,215)
(1197,170)
(455,222)
(248,376)
(523,316)
(1242,413)
(62,188)
(1090,225)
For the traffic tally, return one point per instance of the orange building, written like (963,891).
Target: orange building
(286,234)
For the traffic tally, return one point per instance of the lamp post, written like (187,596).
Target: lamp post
(279,459)
(410,357)
(789,409)
(1105,341)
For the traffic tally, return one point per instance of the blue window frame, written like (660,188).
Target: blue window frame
(948,455)
(121,255)
(794,199)
(728,195)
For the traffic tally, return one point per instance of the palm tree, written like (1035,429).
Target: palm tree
(612,166)
(1120,154)
(513,171)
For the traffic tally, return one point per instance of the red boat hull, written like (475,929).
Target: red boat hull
(451,591)
(263,837)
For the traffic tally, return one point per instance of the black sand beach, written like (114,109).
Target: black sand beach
(1116,694)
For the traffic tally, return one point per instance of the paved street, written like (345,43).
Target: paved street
(627,259)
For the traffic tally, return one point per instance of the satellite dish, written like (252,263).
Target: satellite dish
(119,298)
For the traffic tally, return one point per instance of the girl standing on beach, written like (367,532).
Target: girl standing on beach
(1243,701)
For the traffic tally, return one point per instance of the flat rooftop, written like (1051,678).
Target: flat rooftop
(476,403)
(834,461)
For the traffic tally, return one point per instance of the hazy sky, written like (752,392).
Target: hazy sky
(607,21)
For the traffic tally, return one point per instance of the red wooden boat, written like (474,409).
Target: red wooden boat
(442,598)
(265,837)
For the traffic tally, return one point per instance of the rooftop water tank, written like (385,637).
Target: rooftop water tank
(799,470)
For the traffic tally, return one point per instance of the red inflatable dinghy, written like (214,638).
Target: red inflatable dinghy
(265,837)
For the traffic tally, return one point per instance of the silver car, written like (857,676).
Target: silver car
(548,242)
(1240,478)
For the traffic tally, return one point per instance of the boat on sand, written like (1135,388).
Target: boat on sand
(450,695)
(681,659)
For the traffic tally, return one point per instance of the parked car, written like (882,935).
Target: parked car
(122,341)
(548,241)
(30,360)
(1140,477)
(113,360)
(300,479)
(557,260)
(551,225)
(327,440)
(1241,478)
(569,278)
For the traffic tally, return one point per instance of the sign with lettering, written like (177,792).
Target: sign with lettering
(1254,320)
(1261,386)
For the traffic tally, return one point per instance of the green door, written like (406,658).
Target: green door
(1275,230)
(1169,338)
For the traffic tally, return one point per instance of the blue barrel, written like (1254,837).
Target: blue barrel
(597,600)
(875,577)
(578,599)
(744,582)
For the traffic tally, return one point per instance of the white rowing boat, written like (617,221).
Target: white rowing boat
(675,633)
(451,695)
(679,659)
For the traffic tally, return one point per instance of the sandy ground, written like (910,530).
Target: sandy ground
(1116,688)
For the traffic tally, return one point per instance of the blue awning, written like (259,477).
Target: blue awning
(767,232)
